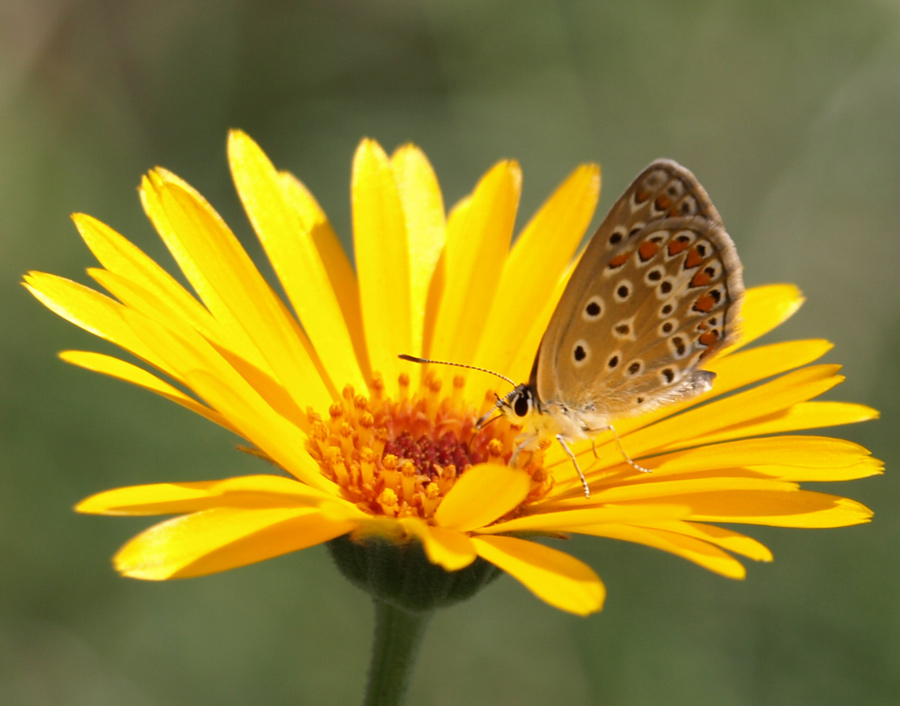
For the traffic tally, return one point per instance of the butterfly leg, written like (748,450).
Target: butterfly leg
(562,442)
(628,458)
(524,444)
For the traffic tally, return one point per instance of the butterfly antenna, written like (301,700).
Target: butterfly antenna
(416,359)
(486,418)
(483,420)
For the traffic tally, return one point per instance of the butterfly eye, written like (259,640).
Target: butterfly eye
(522,405)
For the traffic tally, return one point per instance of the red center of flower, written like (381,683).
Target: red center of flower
(400,457)
(429,455)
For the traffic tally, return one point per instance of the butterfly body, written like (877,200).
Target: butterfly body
(540,420)
(657,289)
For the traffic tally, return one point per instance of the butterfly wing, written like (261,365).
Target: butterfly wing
(657,289)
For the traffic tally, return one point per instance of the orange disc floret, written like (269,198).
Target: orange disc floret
(400,457)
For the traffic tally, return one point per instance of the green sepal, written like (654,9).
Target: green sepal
(399,573)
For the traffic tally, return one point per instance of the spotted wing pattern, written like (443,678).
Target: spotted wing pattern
(657,290)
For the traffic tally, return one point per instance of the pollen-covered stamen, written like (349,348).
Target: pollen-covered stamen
(400,457)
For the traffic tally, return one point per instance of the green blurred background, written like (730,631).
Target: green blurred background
(787,112)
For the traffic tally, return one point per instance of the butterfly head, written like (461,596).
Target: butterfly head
(518,406)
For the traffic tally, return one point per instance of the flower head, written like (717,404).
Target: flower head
(368,445)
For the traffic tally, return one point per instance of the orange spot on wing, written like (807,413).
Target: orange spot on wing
(701,279)
(663,202)
(704,304)
(693,259)
(677,246)
(619,260)
(647,250)
(709,338)
(641,195)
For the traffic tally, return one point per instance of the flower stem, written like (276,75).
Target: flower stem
(398,635)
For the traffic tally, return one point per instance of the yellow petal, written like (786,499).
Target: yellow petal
(535,265)
(92,312)
(553,576)
(566,520)
(476,250)
(144,302)
(721,537)
(805,415)
(423,207)
(247,413)
(277,437)
(695,550)
(530,339)
(748,366)
(788,451)
(799,508)
(766,308)
(334,260)
(482,494)
(647,486)
(447,548)
(289,237)
(129,263)
(248,492)
(122,370)
(382,261)
(864,469)
(223,538)
(231,287)
(155,499)
(455,222)
(792,458)
(433,303)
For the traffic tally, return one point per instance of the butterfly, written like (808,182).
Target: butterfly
(656,291)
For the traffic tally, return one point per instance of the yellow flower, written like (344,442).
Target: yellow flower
(370,445)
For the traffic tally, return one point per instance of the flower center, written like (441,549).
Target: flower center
(400,457)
